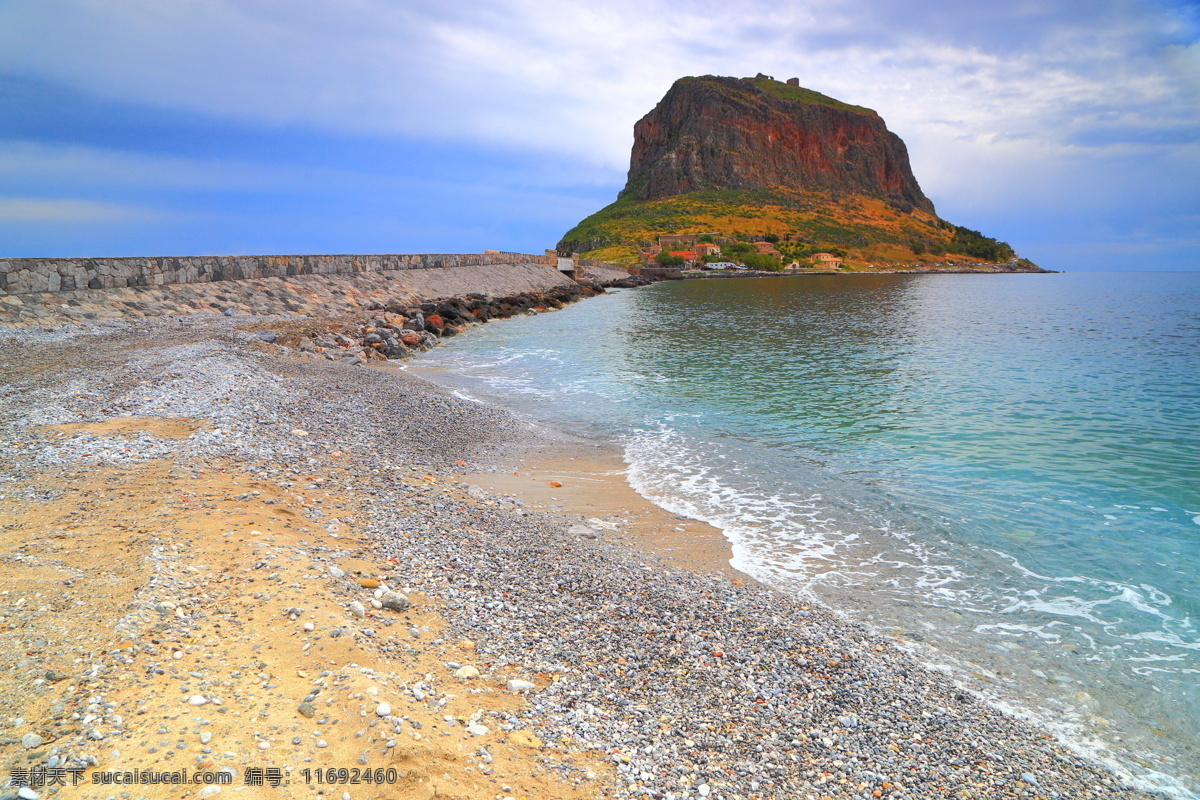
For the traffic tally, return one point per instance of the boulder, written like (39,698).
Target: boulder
(393,349)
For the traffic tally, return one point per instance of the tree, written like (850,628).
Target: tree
(973,243)
(762,261)
(665,259)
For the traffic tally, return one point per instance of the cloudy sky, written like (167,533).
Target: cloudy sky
(1070,128)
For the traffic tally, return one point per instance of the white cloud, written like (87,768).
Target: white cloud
(84,170)
(1008,98)
(33,210)
(91,168)
(1184,60)
(573,77)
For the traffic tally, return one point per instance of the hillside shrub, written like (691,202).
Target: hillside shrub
(762,261)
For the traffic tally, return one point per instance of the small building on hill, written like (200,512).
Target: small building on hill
(683,239)
(827,261)
(677,239)
(708,249)
(688,256)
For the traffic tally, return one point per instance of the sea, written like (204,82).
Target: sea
(1001,471)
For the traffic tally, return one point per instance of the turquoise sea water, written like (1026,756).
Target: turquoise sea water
(1003,470)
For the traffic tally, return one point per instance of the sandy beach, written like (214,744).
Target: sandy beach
(592,486)
(293,577)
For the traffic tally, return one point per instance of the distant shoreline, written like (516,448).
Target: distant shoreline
(695,274)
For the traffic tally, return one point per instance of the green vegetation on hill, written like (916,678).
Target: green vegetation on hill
(863,230)
(975,244)
(755,159)
(808,96)
(795,93)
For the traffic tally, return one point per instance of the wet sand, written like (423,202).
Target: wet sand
(592,486)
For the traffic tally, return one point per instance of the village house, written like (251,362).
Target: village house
(826,261)
(647,254)
(766,248)
(668,240)
(703,249)
(688,256)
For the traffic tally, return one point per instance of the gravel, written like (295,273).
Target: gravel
(690,685)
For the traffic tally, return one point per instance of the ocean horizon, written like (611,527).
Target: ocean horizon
(1002,471)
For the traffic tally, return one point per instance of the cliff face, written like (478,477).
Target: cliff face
(752,133)
(749,160)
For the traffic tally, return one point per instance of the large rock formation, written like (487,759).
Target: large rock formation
(741,161)
(729,133)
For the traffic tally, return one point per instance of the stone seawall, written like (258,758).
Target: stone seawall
(301,295)
(29,275)
(599,271)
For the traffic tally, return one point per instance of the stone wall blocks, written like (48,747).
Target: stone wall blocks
(19,276)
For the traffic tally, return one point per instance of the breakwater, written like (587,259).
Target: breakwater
(396,329)
(30,275)
(302,294)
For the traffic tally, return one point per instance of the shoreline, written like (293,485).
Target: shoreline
(975,670)
(698,275)
(593,487)
(714,554)
(645,680)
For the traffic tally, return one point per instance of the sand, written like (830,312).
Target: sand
(592,484)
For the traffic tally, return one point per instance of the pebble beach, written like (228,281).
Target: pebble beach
(223,553)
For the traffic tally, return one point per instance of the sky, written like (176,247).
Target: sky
(1069,128)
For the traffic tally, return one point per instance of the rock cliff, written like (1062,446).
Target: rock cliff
(750,133)
(740,161)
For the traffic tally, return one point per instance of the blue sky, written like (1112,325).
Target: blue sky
(142,127)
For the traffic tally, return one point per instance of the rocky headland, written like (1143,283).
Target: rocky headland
(755,159)
(716,133)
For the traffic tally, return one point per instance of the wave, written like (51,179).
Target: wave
(807,539)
